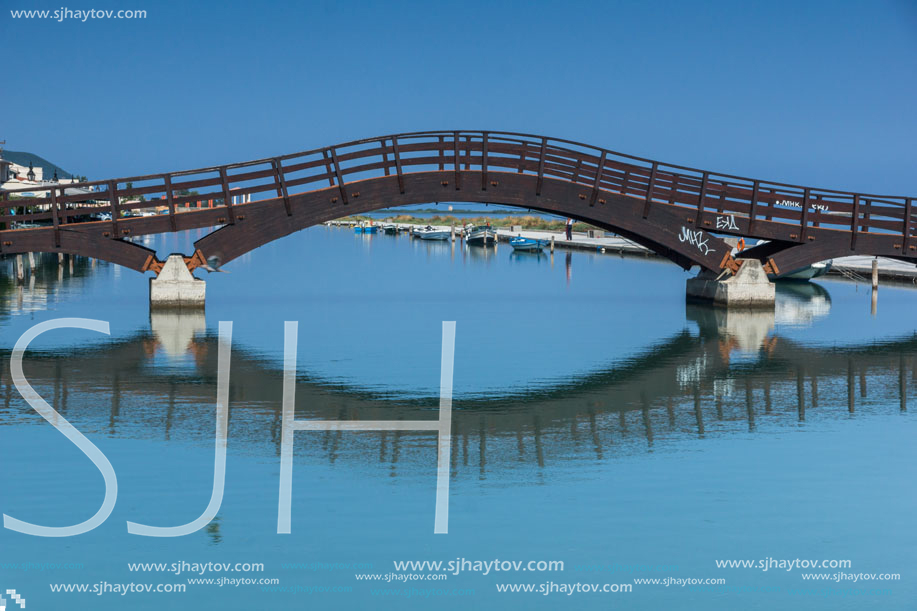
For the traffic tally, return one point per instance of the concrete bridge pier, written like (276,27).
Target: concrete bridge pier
(749,287)
(175,287)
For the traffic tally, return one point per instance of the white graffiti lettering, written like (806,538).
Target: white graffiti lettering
(697,239)
(794,204)
(727,222)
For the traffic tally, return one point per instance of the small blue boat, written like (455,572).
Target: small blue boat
(365,229)
(527,244)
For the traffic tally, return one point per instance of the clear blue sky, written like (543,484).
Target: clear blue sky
(819,93)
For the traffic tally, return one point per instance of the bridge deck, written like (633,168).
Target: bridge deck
(675,210)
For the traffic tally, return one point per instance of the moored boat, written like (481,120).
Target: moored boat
(481,236)
(429,233)
(816,270)
(365,228)
(390,229)
(527,244)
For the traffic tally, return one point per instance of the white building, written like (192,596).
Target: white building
(15,176)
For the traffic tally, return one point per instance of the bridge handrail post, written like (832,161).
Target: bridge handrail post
(4,211)
(673,188)
(854,221)
(398,169)
(541,156)
(281,182)
(753,211)
(906,226)
(385,168)
(455,160)
(484,161)
(170,201)
(54,217)
(522,157)
(770,207)
(442,153)
(650,188)
(328,171)
(115,207)
(227,198)
(700,200)
(338,176)
(599,170)
(804,218)
(576,169)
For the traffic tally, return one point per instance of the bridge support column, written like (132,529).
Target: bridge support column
(747,288)
(175,286)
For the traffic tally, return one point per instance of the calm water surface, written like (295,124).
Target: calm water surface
(598,421)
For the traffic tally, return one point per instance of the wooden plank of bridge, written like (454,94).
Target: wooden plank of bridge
(484,162)
(339,177)
(328,171)
(170,201)
(385,157)
(455,160)
(906,227)
(227,198)
(54,218)
(753,211)
(544,146)
(115,207)
(4,197)
(854,222)
(699,221)
(442,154)
(598,179)
(281,183)
(649,189)
(804,218)
(398,164)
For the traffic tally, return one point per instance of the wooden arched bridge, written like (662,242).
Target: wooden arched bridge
(678,212)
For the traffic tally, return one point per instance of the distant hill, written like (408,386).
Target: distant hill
(22,158)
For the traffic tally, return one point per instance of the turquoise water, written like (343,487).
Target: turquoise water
(598,421)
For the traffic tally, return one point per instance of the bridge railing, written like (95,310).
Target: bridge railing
(723,203)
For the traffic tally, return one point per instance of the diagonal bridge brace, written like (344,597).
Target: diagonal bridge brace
(153,264)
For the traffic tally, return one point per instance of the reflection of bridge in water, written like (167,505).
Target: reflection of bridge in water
(734,374)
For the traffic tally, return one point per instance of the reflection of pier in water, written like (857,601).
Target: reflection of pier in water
(44,276)
(732,375)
